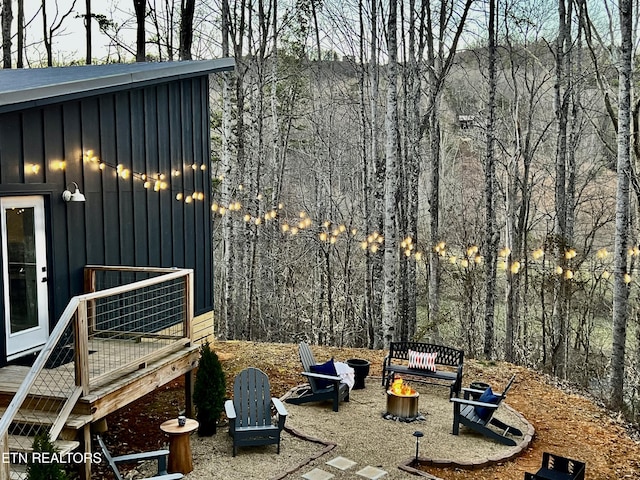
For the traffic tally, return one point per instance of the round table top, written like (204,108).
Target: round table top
(172,427)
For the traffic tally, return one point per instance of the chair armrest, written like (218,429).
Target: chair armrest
(322,376)
(475,403)
(135,457)
(158,455)
(230,410)
(282,411)
(471,390)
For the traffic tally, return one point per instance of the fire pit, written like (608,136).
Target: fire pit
(402,402)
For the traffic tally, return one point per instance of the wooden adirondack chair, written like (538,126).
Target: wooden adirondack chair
(315,392)
(159,455)
(464,412)
(249,412)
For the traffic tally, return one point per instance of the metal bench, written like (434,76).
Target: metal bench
(396,362)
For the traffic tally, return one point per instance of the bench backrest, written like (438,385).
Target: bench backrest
(575,468)
(446,355)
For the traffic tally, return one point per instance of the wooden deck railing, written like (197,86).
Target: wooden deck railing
(100,336)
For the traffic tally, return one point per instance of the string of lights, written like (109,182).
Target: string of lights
(329,232)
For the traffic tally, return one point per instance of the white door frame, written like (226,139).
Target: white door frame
(30,279)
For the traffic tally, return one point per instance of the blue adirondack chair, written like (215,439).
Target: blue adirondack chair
(321,387)
(465,412)
(249,412)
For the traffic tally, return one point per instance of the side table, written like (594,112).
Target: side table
(180,459)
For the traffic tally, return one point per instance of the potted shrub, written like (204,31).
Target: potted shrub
(209,391)
(44,470)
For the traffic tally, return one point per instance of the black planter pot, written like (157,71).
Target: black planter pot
(361,370)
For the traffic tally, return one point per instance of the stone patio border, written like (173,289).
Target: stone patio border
(328,446)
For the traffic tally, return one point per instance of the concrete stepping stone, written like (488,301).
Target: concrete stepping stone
(317,474)
(341,463)
(372,473)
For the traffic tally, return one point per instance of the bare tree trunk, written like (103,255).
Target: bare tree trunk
(491,228)
(620,286)
(45,35)
(439,58)
(562,92)
(7,18)
(140,7)
(87,28)
(412,169)
(187,9)
(390,300)
(20,34)
(228,304)
(376,221)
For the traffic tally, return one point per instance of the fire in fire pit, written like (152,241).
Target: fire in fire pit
(402,402)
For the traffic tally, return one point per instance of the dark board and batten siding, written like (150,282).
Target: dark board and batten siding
(155,129)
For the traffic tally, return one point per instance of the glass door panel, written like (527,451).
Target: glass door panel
(24,265)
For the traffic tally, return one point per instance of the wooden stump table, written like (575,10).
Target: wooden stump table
(180,459)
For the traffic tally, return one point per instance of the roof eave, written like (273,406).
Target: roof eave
(86,87)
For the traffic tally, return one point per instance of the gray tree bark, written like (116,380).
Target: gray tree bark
(87,29)
(227,306)
(7,18)
(562,241)
(491,228)
(20,35)
(390,299)
(140,7)
(187,9)
(375,280)
(620,287)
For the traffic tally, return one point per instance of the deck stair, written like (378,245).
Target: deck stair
(110,347)
(26,419)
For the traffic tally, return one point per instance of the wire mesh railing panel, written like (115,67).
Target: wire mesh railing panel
(118,327)
(46,398)
(128,326)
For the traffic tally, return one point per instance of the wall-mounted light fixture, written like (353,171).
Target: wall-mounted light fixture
(75,196)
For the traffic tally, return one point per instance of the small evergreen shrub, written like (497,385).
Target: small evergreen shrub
(209,391)
(44,470)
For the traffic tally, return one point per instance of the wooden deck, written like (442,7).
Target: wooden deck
(158,362)
(82,374)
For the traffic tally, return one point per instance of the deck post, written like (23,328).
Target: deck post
(82,348)
(82,380)
(188,393)
(85,467)
(188,297)
(4,461)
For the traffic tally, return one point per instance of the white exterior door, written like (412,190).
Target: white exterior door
(24,265)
